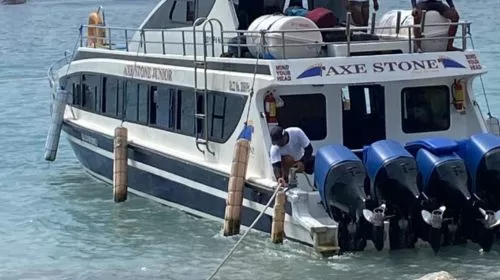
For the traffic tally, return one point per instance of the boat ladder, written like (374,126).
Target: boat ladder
(201,92)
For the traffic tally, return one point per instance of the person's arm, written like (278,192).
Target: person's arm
(414,4)
(276,161)
(308,151)
(450,3)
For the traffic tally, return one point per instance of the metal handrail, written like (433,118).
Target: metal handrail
(347,30)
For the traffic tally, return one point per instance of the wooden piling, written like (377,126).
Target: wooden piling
(120,165)
(235,187)
(278,225)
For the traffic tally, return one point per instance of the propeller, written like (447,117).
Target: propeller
(434,219)
(377,216)
(491,218)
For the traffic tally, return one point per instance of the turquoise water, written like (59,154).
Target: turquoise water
(56,222)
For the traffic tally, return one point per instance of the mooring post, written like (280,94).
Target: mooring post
(278,225)
(120,164)
(235,187)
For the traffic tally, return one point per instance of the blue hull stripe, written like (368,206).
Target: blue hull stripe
(163,188)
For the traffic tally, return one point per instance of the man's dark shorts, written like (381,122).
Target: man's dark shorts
(309,166)
(437,6)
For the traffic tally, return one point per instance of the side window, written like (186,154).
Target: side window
(131,101)
(164,104)
(311,121)
(73,84)
(90,88)
(185,111)
(425,109)
(110,96)
(121,98)
(224,114)
(179,11)
(143,103)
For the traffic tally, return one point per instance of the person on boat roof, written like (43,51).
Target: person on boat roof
(360,10)
(290,148)
(448,12)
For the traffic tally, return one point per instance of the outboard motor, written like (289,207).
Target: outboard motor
(339,176)
(443,178)
(393,186)
(481,153)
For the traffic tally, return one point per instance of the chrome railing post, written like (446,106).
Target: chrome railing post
(183,42)
(163,41)
(143,38)
(464,36)
(348,32)
(109,40)
(283,43)
(81,35)
(374,18)
(410,42)
(126,39)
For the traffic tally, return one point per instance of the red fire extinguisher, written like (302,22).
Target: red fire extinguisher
(270,108)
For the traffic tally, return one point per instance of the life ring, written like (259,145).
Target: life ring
(95,35)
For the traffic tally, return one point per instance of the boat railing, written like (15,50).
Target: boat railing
(120,38)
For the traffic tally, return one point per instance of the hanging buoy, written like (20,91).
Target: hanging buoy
(54,134)
(95,35)
(237,182)
(278,225)
(120,165)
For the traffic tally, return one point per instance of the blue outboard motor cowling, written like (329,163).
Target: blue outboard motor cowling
(339,176)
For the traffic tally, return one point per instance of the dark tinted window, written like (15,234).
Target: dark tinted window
(143,103)
(224,114)
(90,87)
(110,96)
(164,104)
(425,109)
(307,111)
(185,111)
(73,85)
(131,101)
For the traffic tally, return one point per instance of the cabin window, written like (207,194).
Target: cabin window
(182,11)
(224,114)
(425,109)
(90,87)
(185,111)
(307,111)
(131,97)
(143,104)
(110,96)
(73,84)
(164,105)
(121,99)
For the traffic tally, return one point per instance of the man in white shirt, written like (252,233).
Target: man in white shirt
(291,147)
(360,10)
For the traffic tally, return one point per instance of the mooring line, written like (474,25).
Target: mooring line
(226,258)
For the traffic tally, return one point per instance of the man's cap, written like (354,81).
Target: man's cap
(277,133)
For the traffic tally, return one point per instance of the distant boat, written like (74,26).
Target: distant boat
(13,2)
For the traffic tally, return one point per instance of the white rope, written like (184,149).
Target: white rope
(245,234)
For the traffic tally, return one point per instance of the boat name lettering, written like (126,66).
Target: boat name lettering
(148,72)
(346,69)
(283,73)
(381,67)
(405,66)
(89,139)
(212,39)
(239,86)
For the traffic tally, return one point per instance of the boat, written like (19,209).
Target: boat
(404,154)
(13,2)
